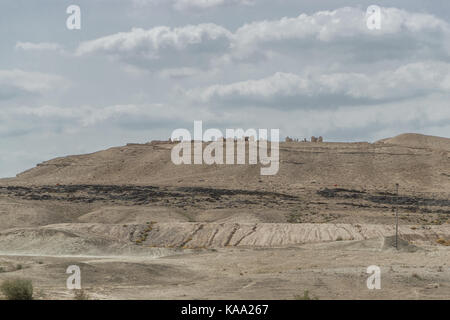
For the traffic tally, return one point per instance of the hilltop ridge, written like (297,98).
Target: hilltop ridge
(417,162)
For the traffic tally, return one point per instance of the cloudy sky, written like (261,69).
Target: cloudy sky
(138,69)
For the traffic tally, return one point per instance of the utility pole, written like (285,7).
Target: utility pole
(396,216)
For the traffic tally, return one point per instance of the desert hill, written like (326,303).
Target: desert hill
(416,140)
(131,219)
(417,162)
(316,183)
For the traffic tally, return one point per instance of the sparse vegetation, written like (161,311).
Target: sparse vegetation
(144,234)
(17,289)
(305,296)
(443,242)
(80,295)
(416,276)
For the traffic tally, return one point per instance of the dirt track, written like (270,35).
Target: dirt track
(328,271)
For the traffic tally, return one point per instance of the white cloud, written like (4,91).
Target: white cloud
(40,46)
(19,81)
(338,25)
(403,82)
(429,115)
(206,4)
(193,4)
(88,116)
(149,42)
(162,47)
(179,72)
(343,22)
(343,30)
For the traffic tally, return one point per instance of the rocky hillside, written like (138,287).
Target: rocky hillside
(417,162)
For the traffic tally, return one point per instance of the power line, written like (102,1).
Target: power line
(396,216)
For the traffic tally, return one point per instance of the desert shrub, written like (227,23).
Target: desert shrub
(416,276)
(17,289)
(305,296)
(80,295)
(443,242)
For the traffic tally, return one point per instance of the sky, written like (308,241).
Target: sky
(137,70)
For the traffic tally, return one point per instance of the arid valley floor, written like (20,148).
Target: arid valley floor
(140,227)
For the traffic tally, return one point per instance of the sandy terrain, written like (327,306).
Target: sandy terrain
(140,227)
(327,271)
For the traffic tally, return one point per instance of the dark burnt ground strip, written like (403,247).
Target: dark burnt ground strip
(408,203)
(231,192)
(142,195)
